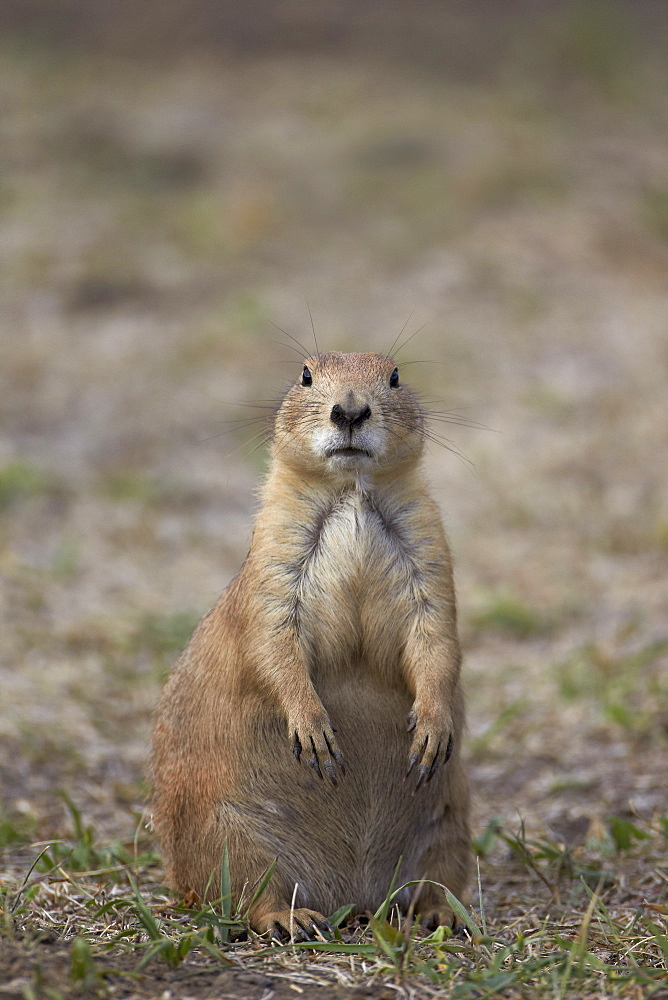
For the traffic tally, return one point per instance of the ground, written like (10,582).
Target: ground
(161,210)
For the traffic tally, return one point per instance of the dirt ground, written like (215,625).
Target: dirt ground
(203,979)
(159,214)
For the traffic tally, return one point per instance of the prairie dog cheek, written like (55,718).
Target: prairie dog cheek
(322,439)
(374,439)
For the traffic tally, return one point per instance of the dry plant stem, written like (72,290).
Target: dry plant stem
(552,886)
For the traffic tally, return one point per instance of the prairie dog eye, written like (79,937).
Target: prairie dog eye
(394,378)
(307,378)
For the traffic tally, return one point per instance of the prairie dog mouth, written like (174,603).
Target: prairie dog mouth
(349,450)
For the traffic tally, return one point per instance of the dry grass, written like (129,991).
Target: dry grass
(157,216)
(559,921)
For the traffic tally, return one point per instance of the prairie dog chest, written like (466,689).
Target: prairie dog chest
(358,574)
(352,545)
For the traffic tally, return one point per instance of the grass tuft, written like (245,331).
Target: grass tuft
(19,480)
(509,614)
(581,935)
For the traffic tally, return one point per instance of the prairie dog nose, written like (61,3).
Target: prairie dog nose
(348,417)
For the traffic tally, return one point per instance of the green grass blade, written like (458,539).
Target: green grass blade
(225,885)
(481,901)
(264,882)
(163,948)
(462,913)
(214,952)
(338,917)
(384,908)
(660,937)
(225,893)
(145,916)
(75,814)
(382,933)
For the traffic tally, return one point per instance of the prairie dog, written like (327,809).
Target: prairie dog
(316,715)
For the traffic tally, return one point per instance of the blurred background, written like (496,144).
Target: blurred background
(176,178)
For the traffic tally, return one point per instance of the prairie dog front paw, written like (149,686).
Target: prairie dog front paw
(432,743)
(313,740)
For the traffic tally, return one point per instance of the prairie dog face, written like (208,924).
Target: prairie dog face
(349,415)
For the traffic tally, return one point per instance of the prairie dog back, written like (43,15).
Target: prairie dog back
(316,715)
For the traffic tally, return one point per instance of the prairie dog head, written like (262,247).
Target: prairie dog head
(349,416)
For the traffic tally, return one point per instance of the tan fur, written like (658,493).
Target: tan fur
(340,627)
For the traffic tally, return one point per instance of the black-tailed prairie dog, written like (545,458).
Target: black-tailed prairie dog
(315,717)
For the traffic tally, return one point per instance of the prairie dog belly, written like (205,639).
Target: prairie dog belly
(340,842)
